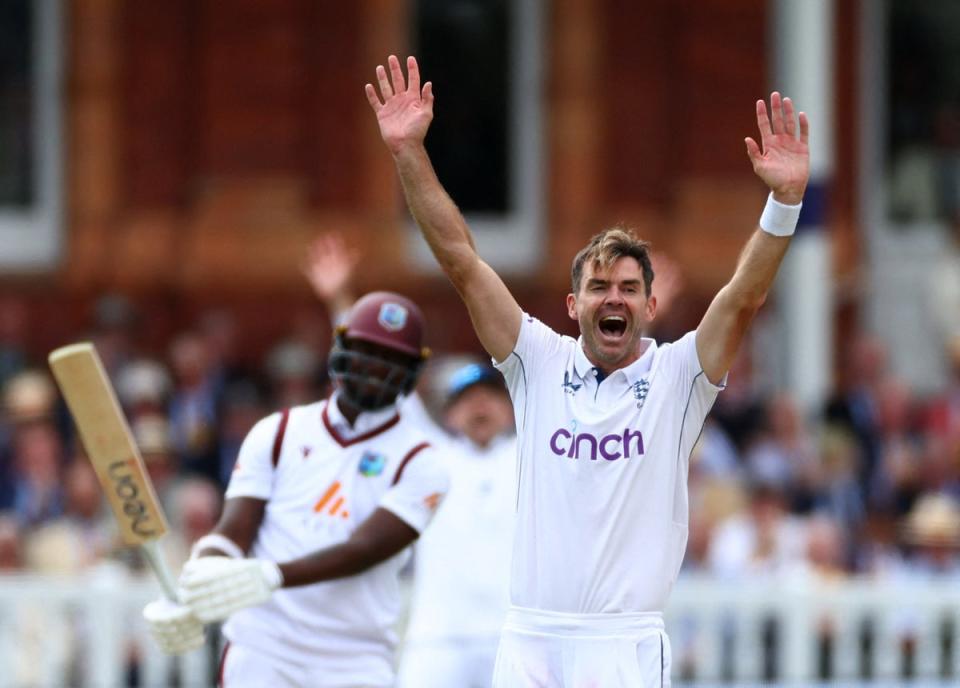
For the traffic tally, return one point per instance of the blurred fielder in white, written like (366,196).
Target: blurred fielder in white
(326,499)
(606,423)
(462,564)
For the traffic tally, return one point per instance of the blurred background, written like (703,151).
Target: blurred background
(164,168)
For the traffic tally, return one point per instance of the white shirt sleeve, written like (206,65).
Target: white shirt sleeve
(253,473)
(536,344)
(684,362)
(422,486)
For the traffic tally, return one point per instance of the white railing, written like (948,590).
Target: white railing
(801,632)
(88,633)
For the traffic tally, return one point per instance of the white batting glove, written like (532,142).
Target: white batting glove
(216,587)
(173,626)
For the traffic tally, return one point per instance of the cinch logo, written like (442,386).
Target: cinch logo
(584,445)
(334,499)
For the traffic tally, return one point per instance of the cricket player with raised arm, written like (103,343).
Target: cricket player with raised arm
(321,508)
(605,422)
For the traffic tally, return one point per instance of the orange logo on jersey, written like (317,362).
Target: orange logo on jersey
(433,500)
(334,499)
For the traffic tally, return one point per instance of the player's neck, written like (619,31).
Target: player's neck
(349,412)
(606,369)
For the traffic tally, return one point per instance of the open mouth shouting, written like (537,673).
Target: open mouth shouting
(612,327)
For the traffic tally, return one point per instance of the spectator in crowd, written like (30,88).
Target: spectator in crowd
(713,500)
(855,406)
(195,508)
(115,322)
(144,387)
(37,457)
(293,369)
(193,408)
(152,434)
(825,549)
(931,531)
(784,454)
(837,493)
(761,542)
(240,408)
(11,545)
(896,480)
(79,538)
(14,325)
(220,332)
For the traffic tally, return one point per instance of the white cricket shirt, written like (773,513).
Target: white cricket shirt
(462,563)
(602,506)
(324,485)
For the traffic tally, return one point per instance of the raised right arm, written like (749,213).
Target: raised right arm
(404,113)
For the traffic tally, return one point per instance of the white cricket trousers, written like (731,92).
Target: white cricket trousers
(541,649)
(453,663)
(244,667)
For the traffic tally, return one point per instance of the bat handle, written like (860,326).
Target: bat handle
(151,549)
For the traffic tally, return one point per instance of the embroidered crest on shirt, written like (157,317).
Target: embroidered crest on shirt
(640,389)
(371,464)
(569,387)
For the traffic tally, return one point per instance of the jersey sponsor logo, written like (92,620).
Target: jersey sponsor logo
(333,502)
(392,316)
(569,387)
(433,501)
(371,463)
(640,390)
(586,445)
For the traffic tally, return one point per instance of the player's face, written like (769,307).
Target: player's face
(377,374)
(613,311)
(481,413)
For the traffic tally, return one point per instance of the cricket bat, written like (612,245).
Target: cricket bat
(113,453)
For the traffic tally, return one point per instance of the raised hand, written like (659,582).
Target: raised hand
(329,266)
(403,110)
(783,162)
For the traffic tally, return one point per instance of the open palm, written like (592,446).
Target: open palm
(403,110)
(781,160)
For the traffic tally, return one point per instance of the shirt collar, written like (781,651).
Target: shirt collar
(632,372)
(366,421)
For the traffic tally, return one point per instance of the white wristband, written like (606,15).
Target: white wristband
(779,218)
(218,542)
(272,574)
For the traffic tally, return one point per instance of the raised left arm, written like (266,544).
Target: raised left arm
(783,164)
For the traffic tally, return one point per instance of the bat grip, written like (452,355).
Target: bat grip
(151,549)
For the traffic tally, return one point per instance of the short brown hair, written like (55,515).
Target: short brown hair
(606,247)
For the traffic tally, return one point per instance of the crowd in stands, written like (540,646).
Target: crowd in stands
(870,485)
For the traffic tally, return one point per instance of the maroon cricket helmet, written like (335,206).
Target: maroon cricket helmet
(387,319)
(366,379)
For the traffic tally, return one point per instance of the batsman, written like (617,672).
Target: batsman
(321,508)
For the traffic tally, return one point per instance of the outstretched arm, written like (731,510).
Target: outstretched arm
(404,112)
(783,164)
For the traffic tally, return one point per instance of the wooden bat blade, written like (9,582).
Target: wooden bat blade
(108,441)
